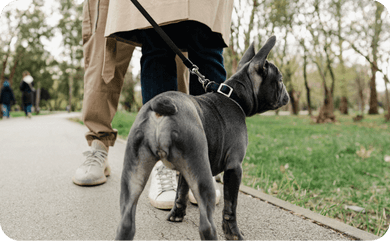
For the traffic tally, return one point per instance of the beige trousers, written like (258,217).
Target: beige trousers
(106,63)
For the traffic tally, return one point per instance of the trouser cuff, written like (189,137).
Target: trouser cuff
(108,139)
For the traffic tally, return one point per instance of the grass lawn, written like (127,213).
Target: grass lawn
(323,168)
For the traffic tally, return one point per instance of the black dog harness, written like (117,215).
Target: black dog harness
(208,85)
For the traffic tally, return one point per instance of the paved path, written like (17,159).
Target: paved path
(38,200)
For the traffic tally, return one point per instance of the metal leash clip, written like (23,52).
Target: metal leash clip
(202,79)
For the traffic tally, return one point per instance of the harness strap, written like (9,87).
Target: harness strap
(225,90)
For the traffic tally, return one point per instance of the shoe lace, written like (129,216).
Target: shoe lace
(95,157)
(167,179)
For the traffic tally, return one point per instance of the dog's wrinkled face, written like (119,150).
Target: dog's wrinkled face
(272,93)
(269,91)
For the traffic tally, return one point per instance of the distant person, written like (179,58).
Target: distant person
(27,88)
(7,98)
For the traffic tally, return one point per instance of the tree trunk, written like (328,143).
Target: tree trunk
(373,94)
(18,56)
(387,116)
(374,44)
(37,100)
(294,100)
(326,111)
(70,92)
(360,84)
(326,114)
(344,105)
(306,83)
(4,67)
(234,59)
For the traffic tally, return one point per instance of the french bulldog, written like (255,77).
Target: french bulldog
(200,136)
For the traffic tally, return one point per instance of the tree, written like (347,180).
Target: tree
(322,48)
(242,31)
(283,18)
(360,79)
(128,98)
(371,38)
(13,31)
(24,49)
(70,26)
(305,54)
(338,15)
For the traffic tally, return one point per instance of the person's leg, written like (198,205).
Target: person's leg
(183,75)
(101,96)
(25,108)
(28,110)
(8,109)
(205,50)
(158,66)
(4,109)
(158,75)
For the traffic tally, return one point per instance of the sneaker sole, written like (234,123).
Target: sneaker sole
(99,181)
(161,204)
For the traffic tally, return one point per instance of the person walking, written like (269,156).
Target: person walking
(106,62)
(7,98)
(27,88)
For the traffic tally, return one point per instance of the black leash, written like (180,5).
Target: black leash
(208,85)
(193,68)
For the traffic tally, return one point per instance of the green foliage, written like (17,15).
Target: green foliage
(29,53)
(71,79)
(128,97)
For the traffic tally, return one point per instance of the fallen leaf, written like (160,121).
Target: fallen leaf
(363,153)
(355,208)
(387,158)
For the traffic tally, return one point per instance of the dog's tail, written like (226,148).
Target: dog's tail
(164,106)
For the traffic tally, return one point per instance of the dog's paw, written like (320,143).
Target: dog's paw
(231,230)
(176,215)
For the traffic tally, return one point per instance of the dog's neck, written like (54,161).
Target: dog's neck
(243,88)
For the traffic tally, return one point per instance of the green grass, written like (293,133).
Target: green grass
(323,167)
(122,122)
(319,167)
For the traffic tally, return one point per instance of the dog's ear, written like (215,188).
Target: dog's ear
(258,62)
(248,55)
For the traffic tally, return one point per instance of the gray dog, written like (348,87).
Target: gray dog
(200,137)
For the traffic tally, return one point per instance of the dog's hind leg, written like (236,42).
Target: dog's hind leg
(197,174)
(179,209)
(135,174)
(231,185)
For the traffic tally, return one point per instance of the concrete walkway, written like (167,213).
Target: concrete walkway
(38,200)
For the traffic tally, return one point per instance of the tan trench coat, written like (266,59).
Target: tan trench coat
(216,14)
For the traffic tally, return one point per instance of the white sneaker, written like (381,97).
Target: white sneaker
(95,169)
(217,195)
(163,186)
